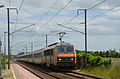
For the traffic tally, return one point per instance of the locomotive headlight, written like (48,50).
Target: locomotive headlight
(71,59)
(60,59)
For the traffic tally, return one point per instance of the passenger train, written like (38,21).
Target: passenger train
(60,54)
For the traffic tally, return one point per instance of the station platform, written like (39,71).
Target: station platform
(21,73)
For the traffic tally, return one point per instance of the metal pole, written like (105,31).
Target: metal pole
(46,40)
(0,59)
(85,60)
(85,11)
(32,51)
(8,39)
(85,30)
(31,47)
(23,50)
(5,50)
(9,54)
(26,49)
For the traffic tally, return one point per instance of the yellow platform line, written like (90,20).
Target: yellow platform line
(13,73)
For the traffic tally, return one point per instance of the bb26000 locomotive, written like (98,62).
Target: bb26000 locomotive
(60,54)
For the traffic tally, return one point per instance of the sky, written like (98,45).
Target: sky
(43,16)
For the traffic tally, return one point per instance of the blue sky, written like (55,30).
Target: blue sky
(103,31)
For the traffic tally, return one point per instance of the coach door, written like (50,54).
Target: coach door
(48,56)
(51,56)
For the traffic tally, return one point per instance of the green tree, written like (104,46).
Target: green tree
(107,53)
(20,53)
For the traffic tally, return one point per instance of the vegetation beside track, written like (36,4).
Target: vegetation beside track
(112,71)
(106,67)
(3,61)
(92,60)
(111,53)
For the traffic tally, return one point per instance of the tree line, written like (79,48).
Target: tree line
(111,53)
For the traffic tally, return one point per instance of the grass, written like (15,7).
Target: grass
(111,72)
(115,60)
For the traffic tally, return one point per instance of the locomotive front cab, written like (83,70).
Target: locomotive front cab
(66,56)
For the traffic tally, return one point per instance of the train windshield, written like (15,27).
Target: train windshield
(64,49)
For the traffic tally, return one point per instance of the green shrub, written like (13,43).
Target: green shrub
(107,62)
(92,60)
(2,61)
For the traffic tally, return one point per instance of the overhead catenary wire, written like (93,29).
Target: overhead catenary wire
(22,29)
(18,15)
(9,3)
(46,12)
(21,5)
(87,10)
(107,10)
(80,14)
(35,22)
(98,14)
(104,12)
(18,43)
(71,28)
(53,17)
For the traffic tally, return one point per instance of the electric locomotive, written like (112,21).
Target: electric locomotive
(61,54)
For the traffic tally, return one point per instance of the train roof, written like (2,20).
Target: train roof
(31,52)
(53,44)
(23,54)
(48,47)
(59,43)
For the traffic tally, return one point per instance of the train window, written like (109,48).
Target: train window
(69,49)
(45,53)
(37,55)
(61,50)
(51,51)
(30,56)
(48,52)
(65,49)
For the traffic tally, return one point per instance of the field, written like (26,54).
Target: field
(115,60)
(111,72)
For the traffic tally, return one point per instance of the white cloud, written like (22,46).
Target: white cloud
(99,28)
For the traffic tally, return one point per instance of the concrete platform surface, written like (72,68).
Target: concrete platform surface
(21,73)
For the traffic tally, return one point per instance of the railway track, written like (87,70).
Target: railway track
(44,73)
(81,75)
